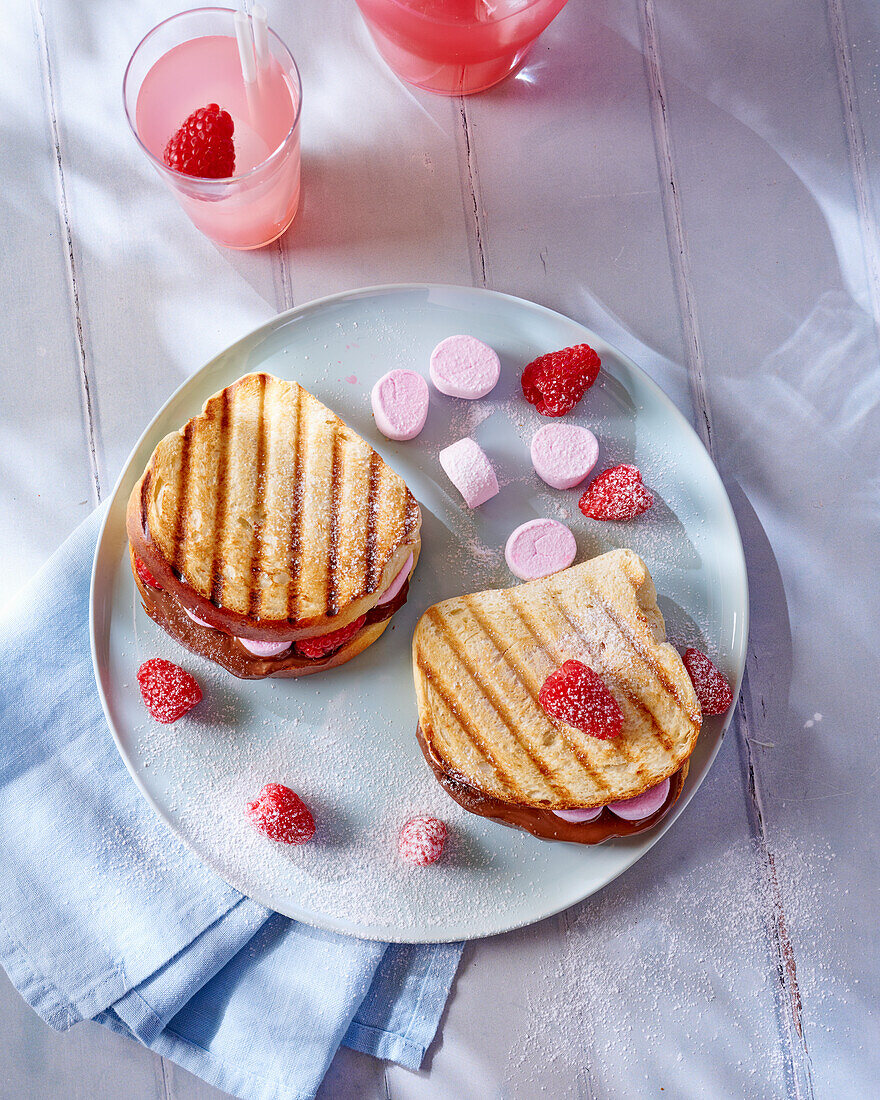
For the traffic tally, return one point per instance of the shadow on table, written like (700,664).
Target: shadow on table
(699,880)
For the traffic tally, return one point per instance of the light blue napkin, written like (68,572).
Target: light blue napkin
(105,915)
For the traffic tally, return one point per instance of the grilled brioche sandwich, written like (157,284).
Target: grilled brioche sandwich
(480,662)
(267,535)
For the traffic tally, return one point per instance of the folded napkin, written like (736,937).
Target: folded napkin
(105,915)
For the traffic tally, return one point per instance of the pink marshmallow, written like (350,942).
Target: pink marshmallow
(466,466)
(563,454)
(264,649)
(259,649)
(196,619)
(577,816)
(400,404)
(643,805)
(463,366)
(396,585)
(539,548)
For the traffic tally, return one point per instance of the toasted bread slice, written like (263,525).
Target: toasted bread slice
(480,661)
(267,515)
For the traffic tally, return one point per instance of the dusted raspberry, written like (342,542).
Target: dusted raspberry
(281,814)
(326,643)
(203,145)
(168,690)
(145,575)
(712,689)
(616,494)
(421,840)
(554,383)
(575,694)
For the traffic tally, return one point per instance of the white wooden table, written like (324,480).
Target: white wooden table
(699,182)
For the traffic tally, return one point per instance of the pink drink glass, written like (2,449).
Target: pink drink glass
(456,47)
(191,60)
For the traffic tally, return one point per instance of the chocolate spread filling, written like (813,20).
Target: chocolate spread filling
(226,650)
(544,823)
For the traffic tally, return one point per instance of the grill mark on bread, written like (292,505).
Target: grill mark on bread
(634,700)
(669,686)
(269,560)
(255,593)
(220,497)
(372,494)
(657,730)
(180,499)
(619,744)
(477,742)
(537,642)
(576,750)
(412,515)
(496,702)
(332,603)
(295,537)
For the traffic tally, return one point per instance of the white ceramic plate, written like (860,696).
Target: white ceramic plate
(344,739)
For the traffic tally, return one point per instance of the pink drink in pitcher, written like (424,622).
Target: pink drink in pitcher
(180,67)
(456,47)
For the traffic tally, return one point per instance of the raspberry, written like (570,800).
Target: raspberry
(421,840)
(616,494)
(712,689)
(145,575)
(326,643)
(168,690)
(203,145)
(554,383)
(575,694)
(281,814)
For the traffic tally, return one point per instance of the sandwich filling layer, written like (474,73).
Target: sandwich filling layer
(544,823)
(230,652)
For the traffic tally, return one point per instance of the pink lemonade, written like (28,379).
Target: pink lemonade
(260,200)
(456,47)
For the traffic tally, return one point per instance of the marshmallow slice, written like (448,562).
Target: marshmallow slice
(264,649)
(539,548)
(629,809)
(396,585)
(563,454)
(198,621)
(400,404)
(579,816)
(259,649)
(643,805)
(463,366)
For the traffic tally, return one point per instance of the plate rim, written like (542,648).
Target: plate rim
(637,851)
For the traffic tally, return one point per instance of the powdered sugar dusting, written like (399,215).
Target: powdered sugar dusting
(344,739)
(654,968)
(319,738)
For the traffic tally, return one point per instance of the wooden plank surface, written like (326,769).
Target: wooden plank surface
(46,486)
(698,185)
